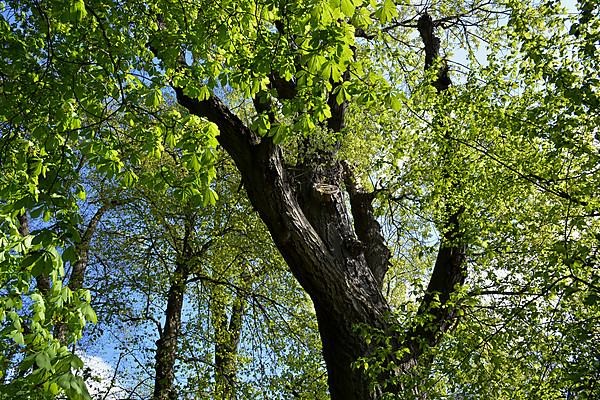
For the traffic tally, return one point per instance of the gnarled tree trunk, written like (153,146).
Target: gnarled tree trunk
(341,264)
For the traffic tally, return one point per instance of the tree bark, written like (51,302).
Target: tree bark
(166,345)
(319,252)
(340,264)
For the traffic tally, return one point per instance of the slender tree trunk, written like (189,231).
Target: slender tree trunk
(77,275)
(227,338)
(166,346)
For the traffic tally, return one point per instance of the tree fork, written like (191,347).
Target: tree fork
(312,230)
(339,282)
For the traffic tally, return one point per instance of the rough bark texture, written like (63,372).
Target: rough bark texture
(316,241)
(367,227)
(449,268)
(432,43)
(340,264)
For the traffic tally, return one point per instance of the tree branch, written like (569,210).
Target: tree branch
(449,270)
(448,273)
(367,227)
(78,273)
(426,26)
(235,137)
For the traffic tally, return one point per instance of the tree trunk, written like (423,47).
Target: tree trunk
(340,264)
(322,255)
(166,345)
(77,276)
(227,338)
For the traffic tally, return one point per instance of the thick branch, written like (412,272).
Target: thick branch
(235,137)
(367,227)
(269,191)
(338,111)
(449,270)
(286,90)
(426,27)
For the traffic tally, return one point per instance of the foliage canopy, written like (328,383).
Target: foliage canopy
(440,209)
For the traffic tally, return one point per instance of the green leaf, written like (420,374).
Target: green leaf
(77,10)
(170,140)
(362,18)
(37,298)
(64,381)
(81,194)
(74,123)
(387,11)
(204,93)
(129,178)
(154,98)
(394,101)
(210,197)
(315,63)
(194,163)
(331,70)
(69,254)
(17,336)
(347,7)
(47,215)
(32,259)
(76,362)
(43,361)
(53,388)
(43,265)
(323,13)
(341,94)
(89,313)
(280,132)
(261,124)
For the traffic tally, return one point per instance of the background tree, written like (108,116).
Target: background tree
(200,280)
